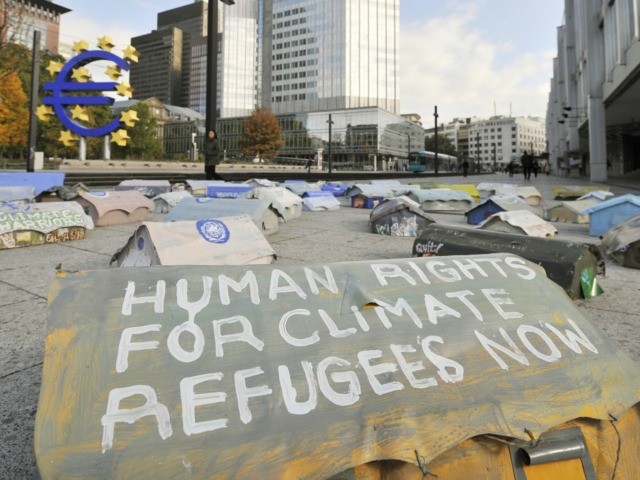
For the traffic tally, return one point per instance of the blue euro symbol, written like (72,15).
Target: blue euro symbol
(63,84)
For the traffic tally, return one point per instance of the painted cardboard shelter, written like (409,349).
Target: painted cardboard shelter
(287,204)
(40,181)
(609,213)
(622,242)
(149,188)
(40,223)
(115,208)
(569,211)
(320,203)
(214,241)
(18,195)
(198,208)
(363,195)
(338,189)
(404,189)
(488,189)
(301,187)
(307,371)
(519,221)
(400,217)
(230,190)
(166,201)
(442,200)
(468,188)
(531,195)
(386,183)
(261,182)
(574,192)
(198,188)
(574,266)
(484,210)
(600,195)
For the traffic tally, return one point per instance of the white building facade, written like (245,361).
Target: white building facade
(592,114)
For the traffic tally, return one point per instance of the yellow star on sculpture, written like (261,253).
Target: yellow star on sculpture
(105,43)
(79,113)
(124,89)
(44,112)
(80,47)
(129,118)
(120,137)
(114,72)
(130,53)
(68,138)
(54,67)
(81,74)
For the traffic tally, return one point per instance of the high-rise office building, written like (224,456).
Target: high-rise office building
(20,18)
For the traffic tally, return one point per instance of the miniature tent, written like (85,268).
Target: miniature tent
(18,195)
(395,367)
(114,208)
(198,188)
(484,210)
(214,241)
(622,242)
(574,192)
(368,196)
(609,213)
(320,203)
(40,181)
(442,200)
(530,194)
(197,208)
(166,201)
(149,188)
(287,204)
(519,221)
(399,216)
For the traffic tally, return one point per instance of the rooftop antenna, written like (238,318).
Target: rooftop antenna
(495,114)
(510,110)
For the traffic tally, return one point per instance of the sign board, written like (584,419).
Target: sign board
(304,371)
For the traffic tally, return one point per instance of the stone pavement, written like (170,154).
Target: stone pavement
(25,274)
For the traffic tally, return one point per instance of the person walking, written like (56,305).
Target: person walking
(527,165)
(536,168)
(211,156)
(465,168)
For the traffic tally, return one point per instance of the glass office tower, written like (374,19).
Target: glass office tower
(331,54)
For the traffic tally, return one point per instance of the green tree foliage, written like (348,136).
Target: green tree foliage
(262,135)
(444,145)
(14,113)
(144,143)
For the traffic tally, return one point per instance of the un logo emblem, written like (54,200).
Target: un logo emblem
(73,77)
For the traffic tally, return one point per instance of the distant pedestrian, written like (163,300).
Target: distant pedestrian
(465,168)
(527,165)
(510,168)
(211,156)
(536,167)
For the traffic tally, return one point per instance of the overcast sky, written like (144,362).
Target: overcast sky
(468,57)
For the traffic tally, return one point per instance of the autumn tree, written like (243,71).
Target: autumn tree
(445,145)
(14,114)
(144,143)
(262,135)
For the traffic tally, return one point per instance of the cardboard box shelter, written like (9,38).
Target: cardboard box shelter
(149,188)
(569,211)
(166,201)
(197,208)
(622,242)
(40,181)
(442,200)
(18,195)
(399,216)
(198,188)
(320,203)
(115,208)
(611,212)
(40,223)
(519,221)
(394,367)
(530,194)
(213,241)
(338,189)
(300,188)
(287,204)
(230,190)
(484,210)
(574,192)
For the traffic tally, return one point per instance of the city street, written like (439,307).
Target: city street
(334,236)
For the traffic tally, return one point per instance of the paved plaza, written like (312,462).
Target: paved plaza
(344,235)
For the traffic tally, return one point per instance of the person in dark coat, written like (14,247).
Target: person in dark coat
(527,165)
(465,168)
(211,156)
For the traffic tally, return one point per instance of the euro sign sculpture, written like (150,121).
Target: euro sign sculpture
(62,87)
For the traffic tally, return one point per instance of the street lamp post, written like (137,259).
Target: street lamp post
(212,63)
(35,79)
(435,144)
(330,122)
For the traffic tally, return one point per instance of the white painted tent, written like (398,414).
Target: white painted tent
(40,223)
(149,188)
(115,208)
(261,182)
(487,189)
(166,201)
(320,203)
(569,211)
(217,241)
(287,204)
(388,183)
(600,195)
(197,208)
(519,221)
(530,194)
(300,188)
(370,191)
(17,195)
(198,188)
(443,200)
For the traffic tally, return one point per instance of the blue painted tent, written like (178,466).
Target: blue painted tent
(229,191)
(481,212)
(337,189)
(607,214)
(40,181)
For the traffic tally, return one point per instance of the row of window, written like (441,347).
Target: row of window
(290,23)
(288,13)
(295,43)
(292,33)
(289,76)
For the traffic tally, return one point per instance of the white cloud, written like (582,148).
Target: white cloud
(445,62)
